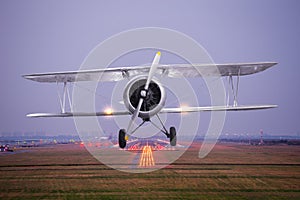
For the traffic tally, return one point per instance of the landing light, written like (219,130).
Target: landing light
(108,111)
(183,106)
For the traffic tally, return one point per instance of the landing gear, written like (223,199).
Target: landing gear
(173,137)
(122,139)
(123,136)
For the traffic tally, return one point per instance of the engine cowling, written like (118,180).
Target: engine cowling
(153,102)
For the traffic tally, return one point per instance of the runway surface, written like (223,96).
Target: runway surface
(230,171)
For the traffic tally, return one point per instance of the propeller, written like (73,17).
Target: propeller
(144,92)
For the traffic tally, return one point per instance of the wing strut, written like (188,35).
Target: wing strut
(234,88)
(62,98)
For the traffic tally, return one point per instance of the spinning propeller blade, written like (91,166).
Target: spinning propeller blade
(144,92)
(152,69)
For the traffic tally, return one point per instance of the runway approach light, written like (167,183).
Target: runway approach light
(147,159)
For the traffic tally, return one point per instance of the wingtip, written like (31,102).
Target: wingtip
(31,115)
(274,63)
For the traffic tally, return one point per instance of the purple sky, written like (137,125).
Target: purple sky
(43,36)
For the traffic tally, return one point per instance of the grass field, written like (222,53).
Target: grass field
(230,171)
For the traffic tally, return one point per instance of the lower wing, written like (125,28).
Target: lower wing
(215,108)
(164,110)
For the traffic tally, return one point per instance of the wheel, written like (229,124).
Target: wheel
(122,141)
(173,138)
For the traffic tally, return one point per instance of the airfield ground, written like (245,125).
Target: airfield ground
(230,171)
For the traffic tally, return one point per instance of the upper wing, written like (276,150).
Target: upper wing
(78,114)
(173,70)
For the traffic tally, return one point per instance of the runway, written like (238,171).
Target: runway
(231,171)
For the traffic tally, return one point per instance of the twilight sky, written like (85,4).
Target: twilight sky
(44,36)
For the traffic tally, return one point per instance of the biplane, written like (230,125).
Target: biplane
(144,96)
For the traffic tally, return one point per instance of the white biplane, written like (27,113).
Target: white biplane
(144,96)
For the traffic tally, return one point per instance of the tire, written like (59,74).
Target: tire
(122,141)
(173,137)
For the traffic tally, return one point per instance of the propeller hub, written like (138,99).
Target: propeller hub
(143,94)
